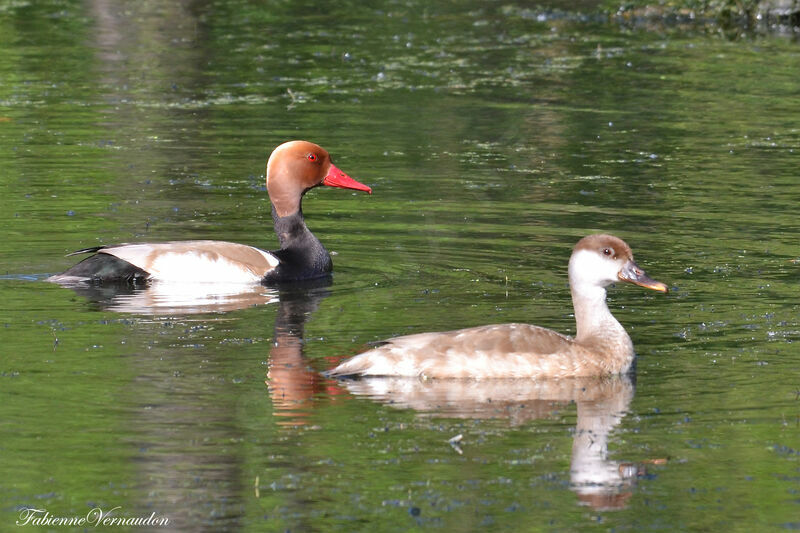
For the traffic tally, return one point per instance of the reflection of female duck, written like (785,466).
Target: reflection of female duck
(599,482)
(601,345)
(292,169)
(602,402)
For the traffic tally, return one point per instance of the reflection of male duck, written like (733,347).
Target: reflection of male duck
(175,298)
(601,402)
(292,384)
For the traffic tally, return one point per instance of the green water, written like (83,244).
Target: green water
(494,137)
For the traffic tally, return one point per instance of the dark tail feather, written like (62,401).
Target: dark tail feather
(103,268)
(92,250)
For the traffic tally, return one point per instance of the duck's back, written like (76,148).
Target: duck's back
(492,351)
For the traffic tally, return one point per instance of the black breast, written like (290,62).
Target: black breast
(302,255)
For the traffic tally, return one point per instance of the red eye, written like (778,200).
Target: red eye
(606,251)
(312,157)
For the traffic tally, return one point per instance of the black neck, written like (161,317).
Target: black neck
(301,255)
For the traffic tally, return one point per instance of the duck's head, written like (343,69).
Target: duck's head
(297,166)
(600,260)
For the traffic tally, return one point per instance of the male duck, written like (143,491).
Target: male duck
(293,168)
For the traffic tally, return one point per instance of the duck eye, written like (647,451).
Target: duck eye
(607,251)
(312,157)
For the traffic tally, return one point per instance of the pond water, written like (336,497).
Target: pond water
(494,137)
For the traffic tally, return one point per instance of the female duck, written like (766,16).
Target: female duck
(293,168)
(600,347)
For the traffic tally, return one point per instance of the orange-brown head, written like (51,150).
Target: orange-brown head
(294,167)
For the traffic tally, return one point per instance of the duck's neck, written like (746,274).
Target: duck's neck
(302,255)
(597,329)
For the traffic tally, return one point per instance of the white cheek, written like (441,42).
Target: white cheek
(589,266)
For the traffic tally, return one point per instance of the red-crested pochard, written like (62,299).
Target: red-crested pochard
(600,347)
(293,168)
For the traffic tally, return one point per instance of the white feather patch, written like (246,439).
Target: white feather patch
(198,261)
(196,267)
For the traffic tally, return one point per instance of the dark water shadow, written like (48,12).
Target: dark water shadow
(602,403)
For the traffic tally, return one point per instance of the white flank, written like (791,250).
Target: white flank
(192,267)
(178,262)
